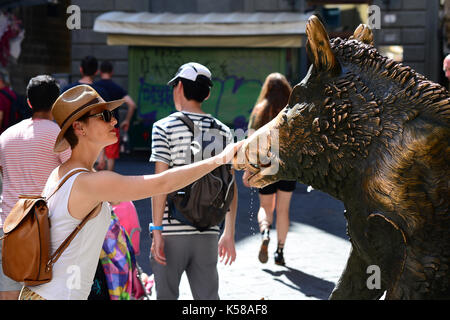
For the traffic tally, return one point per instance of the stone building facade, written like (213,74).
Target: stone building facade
(49,47)
(46,47)
(87,42)
(412,24)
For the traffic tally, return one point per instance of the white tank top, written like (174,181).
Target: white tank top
(74,271)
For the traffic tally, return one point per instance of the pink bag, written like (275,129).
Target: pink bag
(127,214)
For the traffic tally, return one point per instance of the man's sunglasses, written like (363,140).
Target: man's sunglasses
(106,115)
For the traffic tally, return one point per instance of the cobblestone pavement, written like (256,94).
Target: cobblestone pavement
(316,248)
(314,262)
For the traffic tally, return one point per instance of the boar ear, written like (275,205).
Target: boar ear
(364,34)
(318,46)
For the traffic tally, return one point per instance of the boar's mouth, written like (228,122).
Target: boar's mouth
(259,158)
(260,175)
(259,172)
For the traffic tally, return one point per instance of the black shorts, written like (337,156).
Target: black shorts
(282,185)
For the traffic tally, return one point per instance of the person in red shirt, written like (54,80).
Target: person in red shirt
(115,92)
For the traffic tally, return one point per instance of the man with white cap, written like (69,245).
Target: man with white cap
(178,247)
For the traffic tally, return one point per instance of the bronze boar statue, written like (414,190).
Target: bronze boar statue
(374,134)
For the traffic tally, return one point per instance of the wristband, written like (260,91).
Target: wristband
(153,227)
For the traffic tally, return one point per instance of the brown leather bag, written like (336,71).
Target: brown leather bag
(26,250)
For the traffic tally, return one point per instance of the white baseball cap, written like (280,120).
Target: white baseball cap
(191,71)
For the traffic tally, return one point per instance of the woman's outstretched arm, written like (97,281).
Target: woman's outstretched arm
(110,186)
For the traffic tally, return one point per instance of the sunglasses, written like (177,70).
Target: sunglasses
(106,115)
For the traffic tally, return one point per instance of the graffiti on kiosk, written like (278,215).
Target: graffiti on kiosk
(155,95)
(231,99)
(238,74)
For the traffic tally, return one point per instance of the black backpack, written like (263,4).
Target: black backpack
(205,202)
(19,108)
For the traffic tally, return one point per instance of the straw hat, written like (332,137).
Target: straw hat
(74,103)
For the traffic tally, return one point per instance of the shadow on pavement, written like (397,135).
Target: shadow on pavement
(307,284)
(314,208)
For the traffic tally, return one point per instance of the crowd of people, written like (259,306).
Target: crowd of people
(77,128)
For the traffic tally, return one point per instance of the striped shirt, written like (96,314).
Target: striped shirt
(27,159)
(170,141)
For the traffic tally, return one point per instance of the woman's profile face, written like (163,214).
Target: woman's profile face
(99,127)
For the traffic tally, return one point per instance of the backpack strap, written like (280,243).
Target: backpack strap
(55,256)
(216,126)
(186,120)
(65,179)
(192,126)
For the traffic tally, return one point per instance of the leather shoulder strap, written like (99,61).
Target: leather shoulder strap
(55,256)
(65,179)
(69,239)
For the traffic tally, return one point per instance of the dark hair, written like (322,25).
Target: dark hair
(70,135)
(106,67)
(195,90)
(89,65)
(42,91)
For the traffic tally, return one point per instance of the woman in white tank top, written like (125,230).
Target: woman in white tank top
(87,126)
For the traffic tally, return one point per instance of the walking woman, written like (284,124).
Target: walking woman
(87,126)
(277,196)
